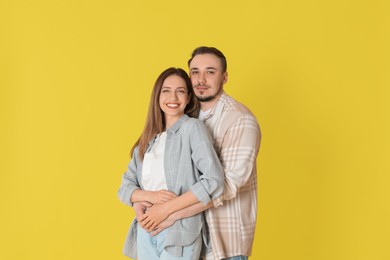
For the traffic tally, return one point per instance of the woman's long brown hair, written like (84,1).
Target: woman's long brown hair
(155,120)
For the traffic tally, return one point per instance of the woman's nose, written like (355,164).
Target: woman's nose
(174,95)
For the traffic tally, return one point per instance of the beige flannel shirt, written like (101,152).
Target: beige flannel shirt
(236,135)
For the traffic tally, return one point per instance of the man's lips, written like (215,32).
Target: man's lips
(201,87)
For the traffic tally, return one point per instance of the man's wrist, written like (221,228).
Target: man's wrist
(170,209)
(175,216)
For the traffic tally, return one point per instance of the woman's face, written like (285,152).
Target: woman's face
(173,99)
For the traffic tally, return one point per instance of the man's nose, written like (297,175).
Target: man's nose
(201,79)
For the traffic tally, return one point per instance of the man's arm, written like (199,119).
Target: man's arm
(239,150)
(184,213)
(159,212)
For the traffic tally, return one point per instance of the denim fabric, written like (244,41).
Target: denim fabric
(152,248)
(211,256)
(239,257)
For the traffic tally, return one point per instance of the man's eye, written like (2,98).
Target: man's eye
(210,72)
(194,72)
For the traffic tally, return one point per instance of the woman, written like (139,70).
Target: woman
(173,166)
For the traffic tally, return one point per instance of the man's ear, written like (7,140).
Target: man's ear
(225,77)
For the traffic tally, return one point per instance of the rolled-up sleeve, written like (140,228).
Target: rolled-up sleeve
(129,181)
(239,150)
(211,183)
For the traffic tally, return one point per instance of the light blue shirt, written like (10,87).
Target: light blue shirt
(190,163)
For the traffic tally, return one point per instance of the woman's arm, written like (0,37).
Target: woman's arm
(211,180)
(129,181)
(130,190)
(154,197)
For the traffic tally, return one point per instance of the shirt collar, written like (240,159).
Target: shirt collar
(176,126)
(218,107)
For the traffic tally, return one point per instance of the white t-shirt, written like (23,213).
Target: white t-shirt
(203,114)
(153,175)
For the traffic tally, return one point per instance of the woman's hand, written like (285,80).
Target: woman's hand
(154,197)
(140,208)
(161,196)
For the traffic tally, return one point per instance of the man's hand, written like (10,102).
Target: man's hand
(159,212)
(165,224)
(153,217)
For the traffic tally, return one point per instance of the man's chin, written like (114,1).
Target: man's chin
(205,99)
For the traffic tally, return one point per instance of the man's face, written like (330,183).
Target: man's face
(207,77)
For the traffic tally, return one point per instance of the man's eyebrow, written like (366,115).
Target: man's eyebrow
(207,68)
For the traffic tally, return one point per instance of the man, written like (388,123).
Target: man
(236,135)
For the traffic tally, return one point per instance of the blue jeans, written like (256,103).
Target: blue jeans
(238,257)
(152,248)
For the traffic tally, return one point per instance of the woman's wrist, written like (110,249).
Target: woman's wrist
(139,195)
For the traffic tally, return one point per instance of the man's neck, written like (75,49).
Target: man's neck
(204,106)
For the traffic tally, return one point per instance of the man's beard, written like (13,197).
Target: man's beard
(205,99)
(209,98)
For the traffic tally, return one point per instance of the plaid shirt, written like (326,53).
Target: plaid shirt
(236,135)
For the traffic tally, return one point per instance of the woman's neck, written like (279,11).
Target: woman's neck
(170,121)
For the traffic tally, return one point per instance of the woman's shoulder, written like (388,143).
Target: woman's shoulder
(194,126)
(135,154)
(193,122)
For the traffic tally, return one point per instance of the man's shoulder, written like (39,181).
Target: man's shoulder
(236,109)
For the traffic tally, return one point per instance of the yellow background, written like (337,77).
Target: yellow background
(75,79)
